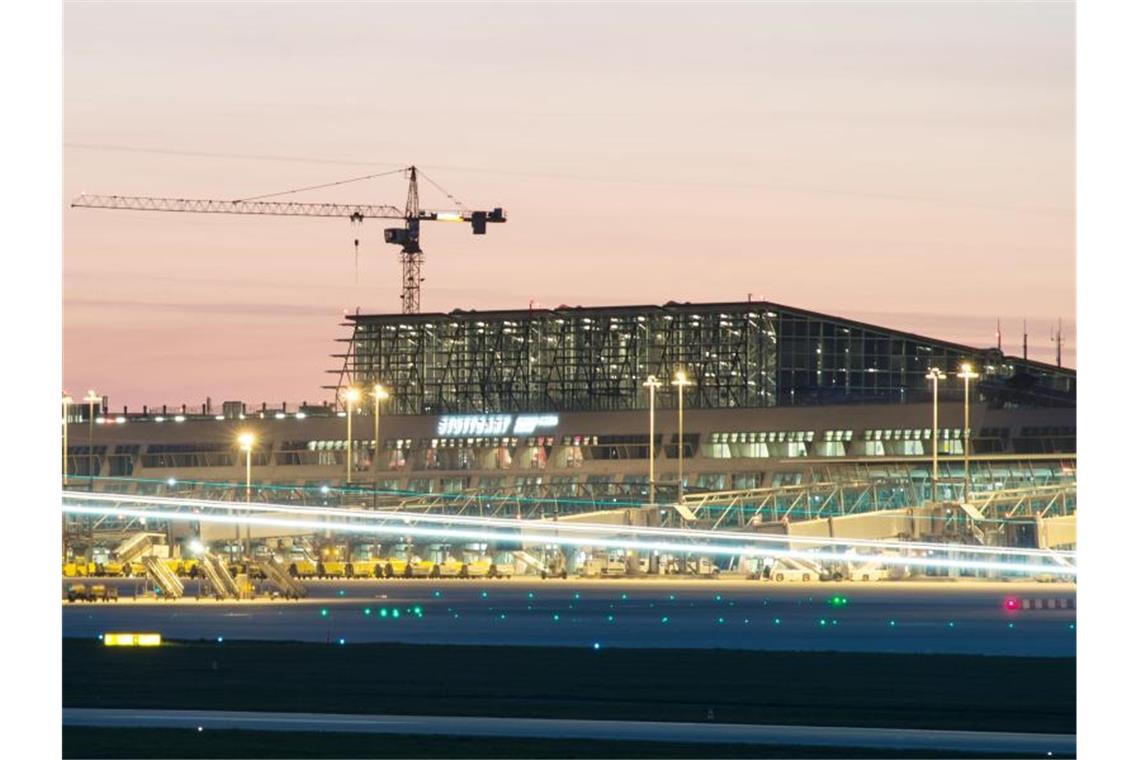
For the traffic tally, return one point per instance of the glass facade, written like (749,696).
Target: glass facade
(738,355)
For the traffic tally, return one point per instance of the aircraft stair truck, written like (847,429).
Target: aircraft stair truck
(135,545)
(169,584)
(286,584)
(554,566)
(218,576)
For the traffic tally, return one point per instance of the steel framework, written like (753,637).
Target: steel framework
(740,355)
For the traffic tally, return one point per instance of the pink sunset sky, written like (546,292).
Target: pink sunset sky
(907,164)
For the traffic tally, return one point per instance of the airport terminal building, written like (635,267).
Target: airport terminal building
(553,402)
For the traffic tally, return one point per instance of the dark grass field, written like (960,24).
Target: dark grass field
(901,691)
(146,743)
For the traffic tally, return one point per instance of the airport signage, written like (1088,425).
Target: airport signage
(132,639)
(490,425)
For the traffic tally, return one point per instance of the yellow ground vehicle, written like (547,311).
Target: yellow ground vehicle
(369,568)
(452,568)
(302,568)
(79,569)
(330,569)
(488,569)
(77,592)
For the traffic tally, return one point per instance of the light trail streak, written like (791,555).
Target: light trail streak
(472,534)
(591,529)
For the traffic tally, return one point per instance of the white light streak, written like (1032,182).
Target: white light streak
(404,527)
(591,529)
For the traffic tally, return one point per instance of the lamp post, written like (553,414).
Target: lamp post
(378,395)
(967,373)
(91,398)
(67,401)
(246,441)
(934,374)
(681,380)
(351,396)
(652,383)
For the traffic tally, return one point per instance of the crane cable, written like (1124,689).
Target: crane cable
(458,203)
(327,184)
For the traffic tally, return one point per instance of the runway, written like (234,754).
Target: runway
(622,730)
(952,618)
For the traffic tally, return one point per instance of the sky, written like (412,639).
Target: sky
(906,164)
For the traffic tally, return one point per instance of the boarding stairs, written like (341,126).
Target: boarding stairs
(287,585)
(529,560)
(169,584)
(135,545)
(218,577)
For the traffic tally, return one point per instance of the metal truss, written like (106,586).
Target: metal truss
(739,355)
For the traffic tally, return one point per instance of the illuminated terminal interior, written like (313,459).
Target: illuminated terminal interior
(553,403)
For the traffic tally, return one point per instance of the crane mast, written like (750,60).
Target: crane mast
(407,237)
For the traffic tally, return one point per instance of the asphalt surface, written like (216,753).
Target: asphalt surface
(728,733)
(960,618)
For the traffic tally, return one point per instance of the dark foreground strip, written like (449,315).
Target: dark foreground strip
(151,743)
(947,692)
(622,730)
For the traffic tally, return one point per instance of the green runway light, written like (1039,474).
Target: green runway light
(342,642)
(530,595)
(383,612)
(609,618)
(892,624)
(625,596)
(341,592)
(1011,625)
(718,597)
(437,594)
(502,616)
(418,610)
(484,594)
(834,622)
(672,597)
(776,621)
(746,621)
(577,596)
(720,620)
(665,619)
(324,612)
(367,610)
(822,621)
(951,623)
(1072,626)
(395,613)
(556,617)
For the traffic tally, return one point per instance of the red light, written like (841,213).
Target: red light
(1012,604)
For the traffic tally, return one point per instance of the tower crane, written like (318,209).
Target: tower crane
(407,237)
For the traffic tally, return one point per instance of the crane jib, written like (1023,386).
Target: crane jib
(407,237)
